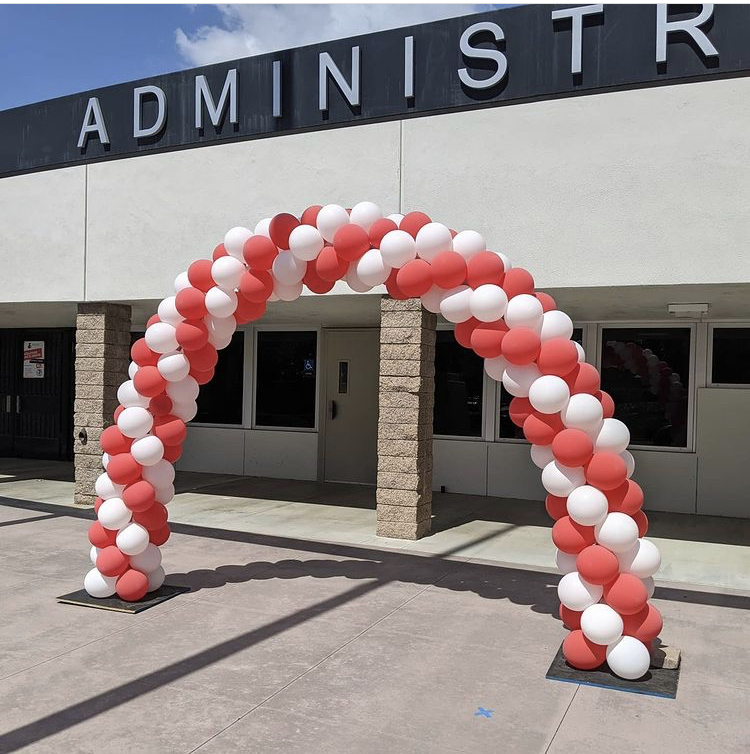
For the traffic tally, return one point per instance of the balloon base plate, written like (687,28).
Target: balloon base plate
(657,681)
(83,599)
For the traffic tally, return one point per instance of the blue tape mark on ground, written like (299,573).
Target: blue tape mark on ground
(482,712)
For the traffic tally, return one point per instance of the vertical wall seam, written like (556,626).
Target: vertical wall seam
(85,227)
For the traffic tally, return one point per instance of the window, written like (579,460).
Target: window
(647,371)
(459,379)
(508,430)
(286,379)
(220,400)
(730,359)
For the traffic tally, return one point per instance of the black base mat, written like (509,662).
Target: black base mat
(84,599)
(656,682)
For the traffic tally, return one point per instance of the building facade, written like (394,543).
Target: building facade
(624,190)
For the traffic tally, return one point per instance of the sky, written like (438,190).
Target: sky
(49,51)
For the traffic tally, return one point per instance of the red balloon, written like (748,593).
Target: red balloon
(159,536)
(139,496)
(518,281)
(484,268)
(172,453)
(581,653)
(204,358)
(641,519)
(247,311)
(132,585)
(487,339)
(191,303)
(142,354)
(199,275)
(123,469)
(149,382)
(557,507)
(519,410)
(314,282)
(160,405)
(280,227)
(202,378)
(391,285)
(101,537)
(117,413)
(597,565)
(414,278)
(170,429)
(379,228)
(413,221)
(572,447)
(152,518)
(192,335)
(463,330)
(627,498)
(256,286)
(570,536)
(608,405)
(98,504)
(547,302)
(584,378)
(521,345)
(571,618)
(152,320)
(645,625)
(219,251)
(112,562)
(310,215)
(449,269)
(351,242)
(330,266)
(606,470)
(540,429)
(557,356)
(627,594)
(259,252)
(113,441)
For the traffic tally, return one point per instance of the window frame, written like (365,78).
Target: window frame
(710,355)
(254,371)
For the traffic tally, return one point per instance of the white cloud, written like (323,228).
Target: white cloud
(253,29)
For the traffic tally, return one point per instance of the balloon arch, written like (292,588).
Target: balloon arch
(525,342)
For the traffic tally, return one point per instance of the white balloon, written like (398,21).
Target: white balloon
(561,480)
(650,586)
(127,395)
(160,474)
(587,505)
(524,310)
(161,337)
(601,624)
(579,349)
(148,560)
(98,585)
(397,248)
(156,579)
(262,227)
(628,658)
(507,264)
(577,594)
(305,242)
(618,532)
(287,269)
(222,326)
(133,539)
(549,394)
(468,243)
(396,218)
(496,367)
(113,514)
(148,450)
(185,411)
(173,367)
(627,456)
(488,303)
(566,563)
(227,272)
(219,341)
(168,312)
(186,389)
(105,460)
(613,436)
(135,422)
(221,303)
(365,214)
(330,219)
(372,269)
(353,281)
(165,494)
(556,324)
(432,239)
(181,282)
(132,369)
(541,455)
(456,304)
(518,379)
(105,488)
(583,411)
(93,554)
(431,300)
(642,560)
(234,241)
(287,292)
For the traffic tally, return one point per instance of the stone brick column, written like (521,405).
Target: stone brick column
(102,359)
(407,394)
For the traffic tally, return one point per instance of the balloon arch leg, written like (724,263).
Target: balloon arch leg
(525,342)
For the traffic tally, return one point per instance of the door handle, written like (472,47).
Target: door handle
(334,409)
(7,404)
(18,404)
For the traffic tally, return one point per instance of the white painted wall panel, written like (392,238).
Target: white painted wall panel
(511,472)
(460,466)
(668,480)
(283,455)
(215,449)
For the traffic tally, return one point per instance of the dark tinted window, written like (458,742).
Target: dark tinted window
(220,401)
(730,364)
(286,374)
(647,370)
